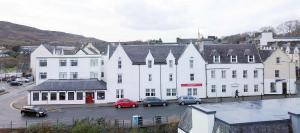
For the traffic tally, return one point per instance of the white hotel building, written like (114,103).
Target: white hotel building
(89,75)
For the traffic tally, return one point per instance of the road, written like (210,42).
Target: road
(67,115)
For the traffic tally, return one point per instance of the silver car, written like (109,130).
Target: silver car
(188,100)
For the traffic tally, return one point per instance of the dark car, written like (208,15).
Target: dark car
(33,111)
(154,101)
(188,100)
(16,83)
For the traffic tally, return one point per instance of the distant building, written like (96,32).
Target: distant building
(267,38)
(265,116)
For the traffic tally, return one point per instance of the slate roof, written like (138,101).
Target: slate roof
(70,85)
(264,54)
(138,53)
(226,50)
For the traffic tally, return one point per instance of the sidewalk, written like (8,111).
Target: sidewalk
(19,103)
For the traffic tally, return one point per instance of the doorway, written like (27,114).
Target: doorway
(89,97)
(284,88)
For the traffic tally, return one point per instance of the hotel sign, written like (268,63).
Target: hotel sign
(191,84)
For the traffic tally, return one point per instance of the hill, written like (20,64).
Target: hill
(14,34)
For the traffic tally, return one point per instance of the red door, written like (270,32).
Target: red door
(89,97)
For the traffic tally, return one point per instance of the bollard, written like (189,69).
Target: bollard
(261,97)
(11,126)
(26,123)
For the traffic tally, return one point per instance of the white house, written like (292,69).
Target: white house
(233,67)
(279,72)
(139,71)
(267,37)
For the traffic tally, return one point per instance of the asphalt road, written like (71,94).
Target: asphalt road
(10,115)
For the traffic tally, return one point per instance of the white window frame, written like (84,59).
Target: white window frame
(212,74)
(149,63)
(171,77)
(120,78)
(251,59)
(171,63)
(256,88)
(233,59)
(277,73)
(43,73)
(119,93)
(72,75)
(73,61)
(63,75)
(213,88)
(223,88)
(246,88)
(94,62)
(216,59)
(255,73)
(93,75)
(149,77)
(223,75)
(245,74)
(62,61)
(234,74)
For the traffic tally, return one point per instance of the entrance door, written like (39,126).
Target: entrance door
(284,88)
(89,97)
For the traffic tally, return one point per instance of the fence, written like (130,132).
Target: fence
(157,120)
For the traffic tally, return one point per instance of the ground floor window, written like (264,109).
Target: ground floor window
(62,96)
(255,88)
(171,92)
(79,95)
(273,87)
(150,92)
(53,96)
(195,92)
(189,91)
(120,93)
(213,88)
(36,96)
(223,88)
(100,95)
(70,95)
(44,96)
(245,88)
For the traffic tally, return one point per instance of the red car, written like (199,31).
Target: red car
(125,103)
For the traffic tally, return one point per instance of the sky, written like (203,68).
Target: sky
(127,20)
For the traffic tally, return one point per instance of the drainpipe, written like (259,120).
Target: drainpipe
(160,81)
(139,82)
(206,80)
(176,80)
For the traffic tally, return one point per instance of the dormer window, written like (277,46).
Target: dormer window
(277,60)
(149,63)
(119,63)
(251,59)
(233,59)
(216,59)
(170,63)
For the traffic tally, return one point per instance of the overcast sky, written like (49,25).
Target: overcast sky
(123,20)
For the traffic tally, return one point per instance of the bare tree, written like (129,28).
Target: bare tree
(288,27)
(267,29)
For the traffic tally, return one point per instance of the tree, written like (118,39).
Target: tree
(291,27)
(267,29)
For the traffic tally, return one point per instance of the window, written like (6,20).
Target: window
(70,95)
(192,77)
(44,96)
(102,74)
(170,77)
(53,96)
(62,96)
(170,63)
(94,62)
(43,63)
(100,95)
(245,88)
(174,92)
(120,93)
(79,95)
(93,75)
(189,91)
(73,75)
(233,59)
(278,60)
(149,77)
(149,63)
(234,74)
(119,63)
(43,75)
(245,74)
(168,92)
(223,74)
(119,78)
(62,75)
(255,73)
(192,63)
(223,88)
(213,88)
(194,91)
(273,87)
(147,92)
(216,59)
(255,88)
(62,63)
(251,58)
(74,62)
(152,92)
(277,73)
(36,96)
(212,73)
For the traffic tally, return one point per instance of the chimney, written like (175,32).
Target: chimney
(295,121)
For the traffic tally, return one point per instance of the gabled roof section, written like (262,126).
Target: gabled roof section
(264,54)
(224,51)
(138,53)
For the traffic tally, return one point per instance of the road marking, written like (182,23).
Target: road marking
(11,104)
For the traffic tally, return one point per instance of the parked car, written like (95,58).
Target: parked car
(33,111)
(188,100)
(23,80)
(15,83)
(154,101)
(125,103)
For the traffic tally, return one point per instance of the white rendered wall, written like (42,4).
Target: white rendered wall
(202,122)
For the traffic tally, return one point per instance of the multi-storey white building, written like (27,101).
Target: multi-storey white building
(233,67)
